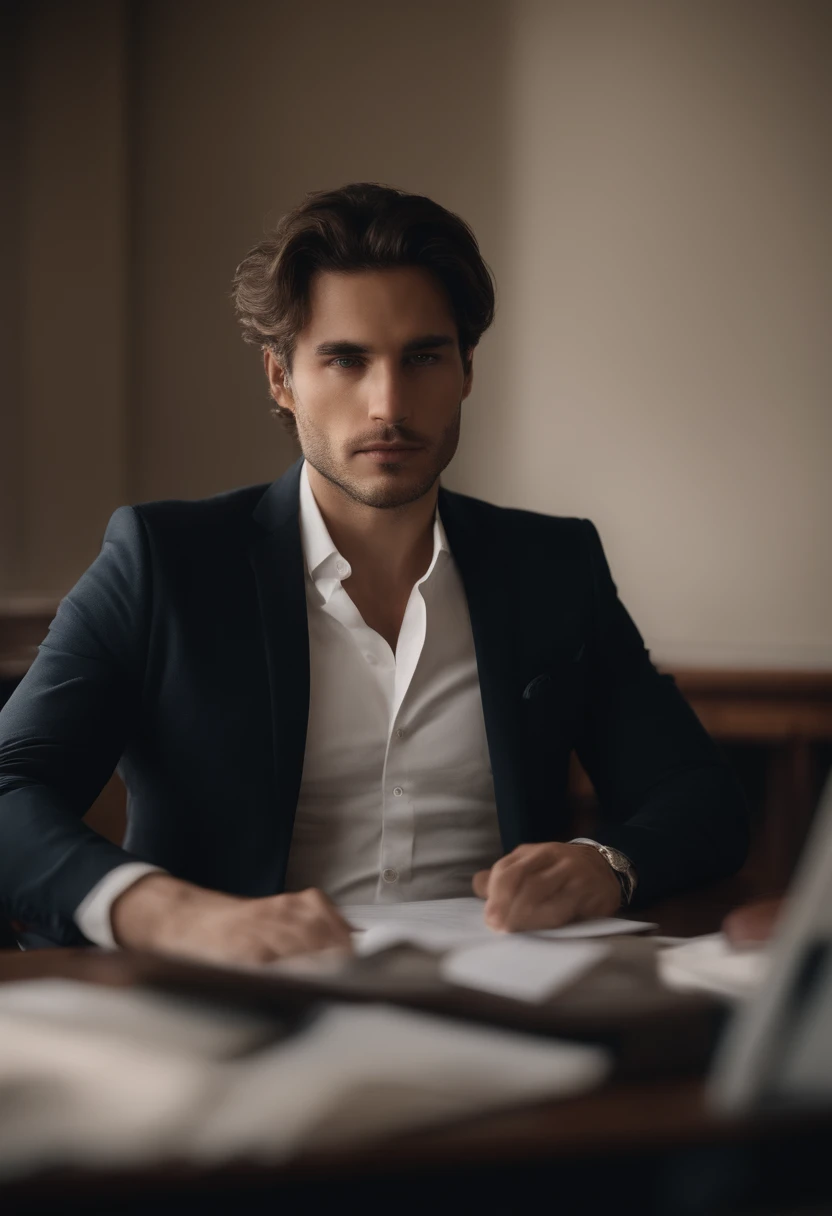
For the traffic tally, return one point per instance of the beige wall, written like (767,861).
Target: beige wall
(246,107)
(648,182)
(64,402)
(11,437)
(668,302)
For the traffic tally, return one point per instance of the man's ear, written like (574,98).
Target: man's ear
(278,380)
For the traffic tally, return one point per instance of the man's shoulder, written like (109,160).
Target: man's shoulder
(189,530)
(229,509)
(515,521)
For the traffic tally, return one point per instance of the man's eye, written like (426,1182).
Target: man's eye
(432,358)
(345,361)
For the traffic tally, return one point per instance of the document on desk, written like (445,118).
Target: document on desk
(520,967)
(442,924)
(712,964)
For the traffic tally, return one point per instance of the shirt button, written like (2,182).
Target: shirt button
(399,734)
(371,659)
(398,791)
(389,875)
(341,567)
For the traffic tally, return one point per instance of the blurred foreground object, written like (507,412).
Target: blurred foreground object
(110,1078)
(778,1048)
(712,964)
(755,922)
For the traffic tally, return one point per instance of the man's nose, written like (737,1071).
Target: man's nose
(388,395)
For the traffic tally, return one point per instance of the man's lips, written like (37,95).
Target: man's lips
(392,447)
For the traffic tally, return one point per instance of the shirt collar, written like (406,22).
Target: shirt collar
(325,565)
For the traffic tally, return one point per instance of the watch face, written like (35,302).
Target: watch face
(617,860)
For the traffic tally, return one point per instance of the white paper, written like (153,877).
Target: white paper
(463,915)
(712,964)
(442,924)
(524,968)
(612,926)
(358,1073)
(108,1094)
(428,937)
(157,1020)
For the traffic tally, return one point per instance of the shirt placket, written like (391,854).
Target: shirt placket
(398,796)
(394,674)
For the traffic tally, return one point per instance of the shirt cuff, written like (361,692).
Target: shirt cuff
(92,916)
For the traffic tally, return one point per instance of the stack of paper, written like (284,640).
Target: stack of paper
(89,1076)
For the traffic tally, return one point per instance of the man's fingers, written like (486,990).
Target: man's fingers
(549,898)
(480,883)
(547,910)
(528,857)
(502,890)
(326,918)
(503,886)
(509,876)
(530,904)
(302,921)
(314,899)
(301,937)
(322,931)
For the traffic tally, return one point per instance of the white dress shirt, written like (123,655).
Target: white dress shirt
(396,800)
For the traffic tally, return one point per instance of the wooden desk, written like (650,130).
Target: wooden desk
(646,1147)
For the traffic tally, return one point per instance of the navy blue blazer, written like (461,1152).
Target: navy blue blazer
(181,657)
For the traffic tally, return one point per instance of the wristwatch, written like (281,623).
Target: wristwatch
(624,871)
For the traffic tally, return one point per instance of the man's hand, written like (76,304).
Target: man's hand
(162,913)
(543,886)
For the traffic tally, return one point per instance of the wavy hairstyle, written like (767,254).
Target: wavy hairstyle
(362,226)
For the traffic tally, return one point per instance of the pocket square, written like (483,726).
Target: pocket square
(536,686)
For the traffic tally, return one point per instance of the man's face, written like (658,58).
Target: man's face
(378,362)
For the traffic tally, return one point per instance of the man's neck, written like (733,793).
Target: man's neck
(386,547)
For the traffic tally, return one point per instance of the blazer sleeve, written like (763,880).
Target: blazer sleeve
(63,731)
(669,800)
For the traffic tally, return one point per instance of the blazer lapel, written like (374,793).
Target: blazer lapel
(276,556)
(493,624)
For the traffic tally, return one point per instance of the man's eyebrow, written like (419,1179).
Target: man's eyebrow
(343,349)
(428,342)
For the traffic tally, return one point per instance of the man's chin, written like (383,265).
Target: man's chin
(389,486)
(389,496)
(385,485)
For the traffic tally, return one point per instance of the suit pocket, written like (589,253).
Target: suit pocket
(538,688)
(565,673)
(555,699)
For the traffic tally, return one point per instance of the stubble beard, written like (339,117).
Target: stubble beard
(390,493)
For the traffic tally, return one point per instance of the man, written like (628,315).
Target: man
(351,685)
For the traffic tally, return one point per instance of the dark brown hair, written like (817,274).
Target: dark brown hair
(363,226)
